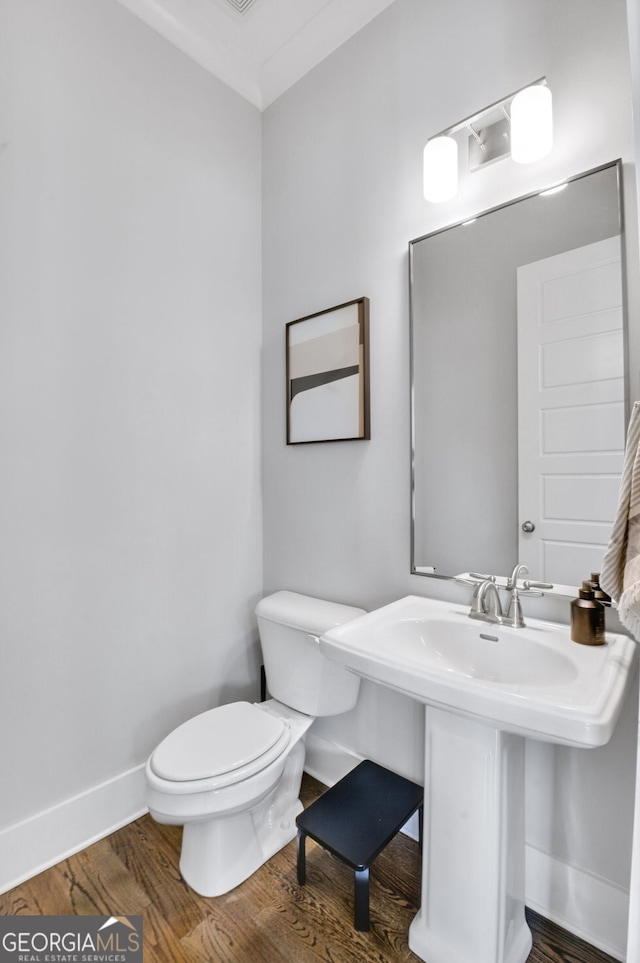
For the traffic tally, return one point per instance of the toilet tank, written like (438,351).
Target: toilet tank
(298,674)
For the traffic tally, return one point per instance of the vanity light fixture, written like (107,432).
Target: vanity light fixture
(531,124)
(440,169)
(520,124)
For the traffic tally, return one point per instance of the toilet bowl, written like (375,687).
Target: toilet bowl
(231,776)
(238,808)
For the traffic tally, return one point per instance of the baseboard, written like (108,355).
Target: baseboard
(329,762)
(594,909)
(33,845)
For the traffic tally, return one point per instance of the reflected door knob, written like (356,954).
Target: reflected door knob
(528,527)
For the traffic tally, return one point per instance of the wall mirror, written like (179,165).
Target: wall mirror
(519,404)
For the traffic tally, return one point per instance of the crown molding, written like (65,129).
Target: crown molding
(265,50)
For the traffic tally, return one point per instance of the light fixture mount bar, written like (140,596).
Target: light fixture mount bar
(475,135)
(489,144)
(498,105)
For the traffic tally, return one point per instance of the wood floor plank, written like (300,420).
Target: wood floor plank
(151,853)
(92,883)
(227,938)
(554,945)
(160,941)
(269,918)
(320,913)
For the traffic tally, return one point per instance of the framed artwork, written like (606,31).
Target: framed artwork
(328,375)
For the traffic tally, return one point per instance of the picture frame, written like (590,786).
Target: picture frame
(327,375)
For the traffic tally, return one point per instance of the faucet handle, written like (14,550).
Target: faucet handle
(475,579)
(533,589)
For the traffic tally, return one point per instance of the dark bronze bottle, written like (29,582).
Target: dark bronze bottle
(587,617)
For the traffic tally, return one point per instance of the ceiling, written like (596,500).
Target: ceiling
(260,48)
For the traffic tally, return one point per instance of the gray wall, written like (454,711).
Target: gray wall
(130,546)
(342,198)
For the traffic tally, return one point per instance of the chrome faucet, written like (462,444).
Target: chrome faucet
(514,613)
(514,617)
(486,604)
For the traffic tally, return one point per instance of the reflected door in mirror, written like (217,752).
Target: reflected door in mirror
(570,408)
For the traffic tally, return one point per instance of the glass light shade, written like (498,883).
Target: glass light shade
(440,169)
(531,124)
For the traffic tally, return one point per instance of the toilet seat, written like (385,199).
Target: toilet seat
(220,747)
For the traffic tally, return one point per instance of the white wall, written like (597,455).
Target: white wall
(130,503)
(342,197)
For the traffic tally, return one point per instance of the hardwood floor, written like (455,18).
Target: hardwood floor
(268,919)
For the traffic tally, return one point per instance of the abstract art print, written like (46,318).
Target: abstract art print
(328,375)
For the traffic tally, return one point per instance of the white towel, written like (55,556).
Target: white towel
(620,575)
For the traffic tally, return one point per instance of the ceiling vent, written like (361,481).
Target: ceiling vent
(241,6)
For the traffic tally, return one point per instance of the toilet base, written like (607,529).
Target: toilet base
(219,854)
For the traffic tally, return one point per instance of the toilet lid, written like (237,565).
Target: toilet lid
(216,742)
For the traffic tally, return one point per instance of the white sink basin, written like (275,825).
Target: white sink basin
(532,681)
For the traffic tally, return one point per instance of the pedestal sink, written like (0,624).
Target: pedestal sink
(486,688)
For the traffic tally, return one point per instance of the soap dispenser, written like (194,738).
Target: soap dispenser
(598,592)
(587,617)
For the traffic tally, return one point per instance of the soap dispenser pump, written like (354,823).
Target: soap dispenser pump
(598,592)
(587,617)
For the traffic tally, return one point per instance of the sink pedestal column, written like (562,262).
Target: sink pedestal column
(472,908)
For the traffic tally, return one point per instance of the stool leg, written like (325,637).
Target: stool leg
(361,891)
(302,869)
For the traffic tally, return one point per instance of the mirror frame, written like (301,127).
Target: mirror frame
(558,589)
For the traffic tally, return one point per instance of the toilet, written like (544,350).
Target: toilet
(231,776)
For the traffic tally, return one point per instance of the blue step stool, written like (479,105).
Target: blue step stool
(355,820)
